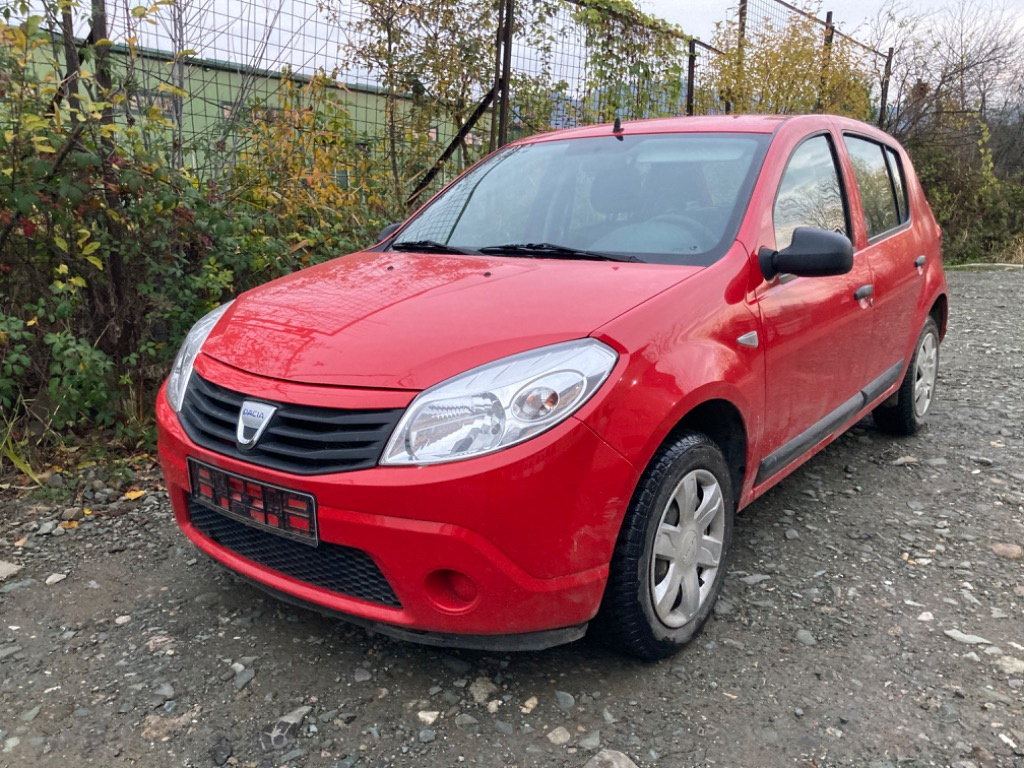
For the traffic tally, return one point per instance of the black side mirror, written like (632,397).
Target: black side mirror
(813,253)
(389,230)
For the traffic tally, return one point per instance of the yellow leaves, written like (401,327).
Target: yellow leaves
(61,243)
(133,495)
(62,269)
(787,69)
(20,463)
(95,262)
(78,282)
(32,123)
(303,243)
(8,136)
(91,248)
(32,322)
(168,88)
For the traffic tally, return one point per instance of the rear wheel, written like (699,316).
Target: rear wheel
(669,561)
(904,413)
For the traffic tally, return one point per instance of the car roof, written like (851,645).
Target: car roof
(754,124)
(701,124)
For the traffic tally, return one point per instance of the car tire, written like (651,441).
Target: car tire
(670,558)
(904,413)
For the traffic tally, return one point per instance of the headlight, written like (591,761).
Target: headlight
(499,404)
(181,371)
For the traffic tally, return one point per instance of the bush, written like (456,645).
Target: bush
(108,254)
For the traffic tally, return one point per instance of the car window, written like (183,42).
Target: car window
(666,198)
(896,171)
(810,193)
(875,183)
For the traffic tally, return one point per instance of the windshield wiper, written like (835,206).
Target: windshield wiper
(551,250)
(428,246)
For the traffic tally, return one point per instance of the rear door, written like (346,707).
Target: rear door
(886,239)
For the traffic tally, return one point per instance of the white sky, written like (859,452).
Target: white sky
(698,17)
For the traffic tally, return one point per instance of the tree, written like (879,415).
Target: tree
(957,85)
(799,67)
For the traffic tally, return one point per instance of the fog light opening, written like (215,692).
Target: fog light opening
(451,590)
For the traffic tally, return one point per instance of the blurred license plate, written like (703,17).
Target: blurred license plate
(270,508)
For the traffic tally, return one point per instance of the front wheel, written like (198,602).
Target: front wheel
(904,412)
(669,561)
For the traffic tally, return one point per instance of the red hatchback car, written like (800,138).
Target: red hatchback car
(537,405)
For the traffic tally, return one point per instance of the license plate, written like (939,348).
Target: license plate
(271,508)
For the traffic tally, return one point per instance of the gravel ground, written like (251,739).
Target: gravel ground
(873,617)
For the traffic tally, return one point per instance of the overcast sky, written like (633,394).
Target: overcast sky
(698,17)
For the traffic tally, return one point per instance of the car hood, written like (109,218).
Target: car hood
(407,321)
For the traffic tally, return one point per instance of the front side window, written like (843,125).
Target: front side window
(665,198)
(875,184)
(810,193)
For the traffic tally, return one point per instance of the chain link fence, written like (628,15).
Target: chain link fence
(426,87)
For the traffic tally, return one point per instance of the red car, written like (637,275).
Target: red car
(537,405)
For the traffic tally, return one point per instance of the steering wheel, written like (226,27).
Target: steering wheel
(687,222)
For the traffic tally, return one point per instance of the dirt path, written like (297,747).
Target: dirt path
(831,645)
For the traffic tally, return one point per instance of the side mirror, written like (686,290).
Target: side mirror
(389,230)
(813,253)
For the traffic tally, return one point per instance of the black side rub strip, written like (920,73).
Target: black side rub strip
(799,445)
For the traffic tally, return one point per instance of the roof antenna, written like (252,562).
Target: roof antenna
(617,128)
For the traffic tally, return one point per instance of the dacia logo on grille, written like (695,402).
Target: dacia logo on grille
(253,419)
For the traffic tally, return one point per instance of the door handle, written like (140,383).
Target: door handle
(919,263)
(864,292)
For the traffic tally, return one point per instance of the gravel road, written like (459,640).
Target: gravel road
(874,616)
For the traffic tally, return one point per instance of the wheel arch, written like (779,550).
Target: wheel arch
(940,312)
(723,423)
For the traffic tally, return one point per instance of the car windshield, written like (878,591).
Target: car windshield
(665,198)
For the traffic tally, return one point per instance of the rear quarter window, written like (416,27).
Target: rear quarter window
(881,189)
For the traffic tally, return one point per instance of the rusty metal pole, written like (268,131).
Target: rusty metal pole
(499,35)
(691,66)
(506,68)
(830,32)
(885,89)
(740,44)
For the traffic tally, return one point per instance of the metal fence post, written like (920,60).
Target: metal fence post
(178,76)
(830,32)
(741,39)
(691,67)
(499,36)
(506,67)
(883,106)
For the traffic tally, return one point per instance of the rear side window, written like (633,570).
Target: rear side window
(896,171)
(810,193)
(880,183)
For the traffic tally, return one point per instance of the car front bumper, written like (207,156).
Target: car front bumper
(509,550)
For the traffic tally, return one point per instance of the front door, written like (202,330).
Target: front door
(816,330)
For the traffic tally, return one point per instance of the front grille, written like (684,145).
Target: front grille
(344,570)
(300,439)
